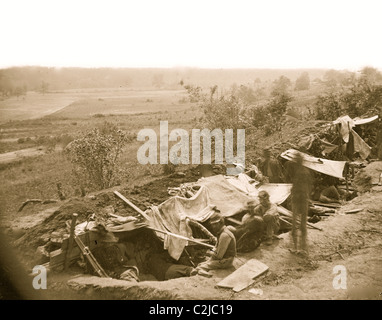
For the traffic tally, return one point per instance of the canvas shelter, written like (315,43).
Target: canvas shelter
(325,166)
(345,133)
(224,194)
(354,142)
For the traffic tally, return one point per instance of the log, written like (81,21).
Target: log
(28,201)
(36,201)
(287,222)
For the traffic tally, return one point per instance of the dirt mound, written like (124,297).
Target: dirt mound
(374,170)
(347,240)
(362,181)
(368,176)
(49,234)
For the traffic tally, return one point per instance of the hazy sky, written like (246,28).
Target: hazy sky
(339,34)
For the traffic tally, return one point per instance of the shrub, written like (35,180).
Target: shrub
(355,100)
(95,157)
(269,116)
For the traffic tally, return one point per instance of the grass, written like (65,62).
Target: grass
(129,110)
(38,177)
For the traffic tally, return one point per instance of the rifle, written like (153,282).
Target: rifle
(89,255)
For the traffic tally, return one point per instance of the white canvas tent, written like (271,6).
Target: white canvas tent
(328,167)
(347,124)
(226,194)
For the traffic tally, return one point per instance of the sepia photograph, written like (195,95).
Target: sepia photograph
(191,155)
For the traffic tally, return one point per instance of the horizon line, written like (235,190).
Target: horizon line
(188,67)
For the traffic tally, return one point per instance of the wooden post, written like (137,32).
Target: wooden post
(346,177)
(71,241)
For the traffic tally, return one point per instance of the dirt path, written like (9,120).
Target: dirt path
(20,154)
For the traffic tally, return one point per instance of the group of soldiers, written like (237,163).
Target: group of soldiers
(259,224)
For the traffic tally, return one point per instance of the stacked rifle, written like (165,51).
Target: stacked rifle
(84,249)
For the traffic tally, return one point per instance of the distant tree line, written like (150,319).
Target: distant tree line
(243,107)
(253,106)
(44,79)
(349,94)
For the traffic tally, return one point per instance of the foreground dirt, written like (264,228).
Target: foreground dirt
(350,240)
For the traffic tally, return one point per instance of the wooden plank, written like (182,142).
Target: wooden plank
(244,276)
(71,241)
(182,237)
(284,211)
(354,211)
(329,205)
(57,257)
(132,205)
(289,214)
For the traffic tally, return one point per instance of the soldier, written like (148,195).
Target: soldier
(300,194)
(225,250)
(271,168)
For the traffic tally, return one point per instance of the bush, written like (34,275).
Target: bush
(356,100)
(223,113)
(269,116)
(95,157)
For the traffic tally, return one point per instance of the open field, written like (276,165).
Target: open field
(85,103)
(43,138)
(34,105)
(73,111)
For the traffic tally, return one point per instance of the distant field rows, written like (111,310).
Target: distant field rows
(80,104)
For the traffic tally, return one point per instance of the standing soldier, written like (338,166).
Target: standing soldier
(301,189)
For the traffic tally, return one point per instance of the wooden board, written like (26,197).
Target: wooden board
(244,276)
(57,257)
(328,205)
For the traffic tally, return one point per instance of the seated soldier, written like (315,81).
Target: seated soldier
(268,211)
(116,258)
(326,191)
(330,194)
(163,267)
(222,256)
(249,233)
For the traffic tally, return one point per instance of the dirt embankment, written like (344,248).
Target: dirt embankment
(349,240)
(34,226)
